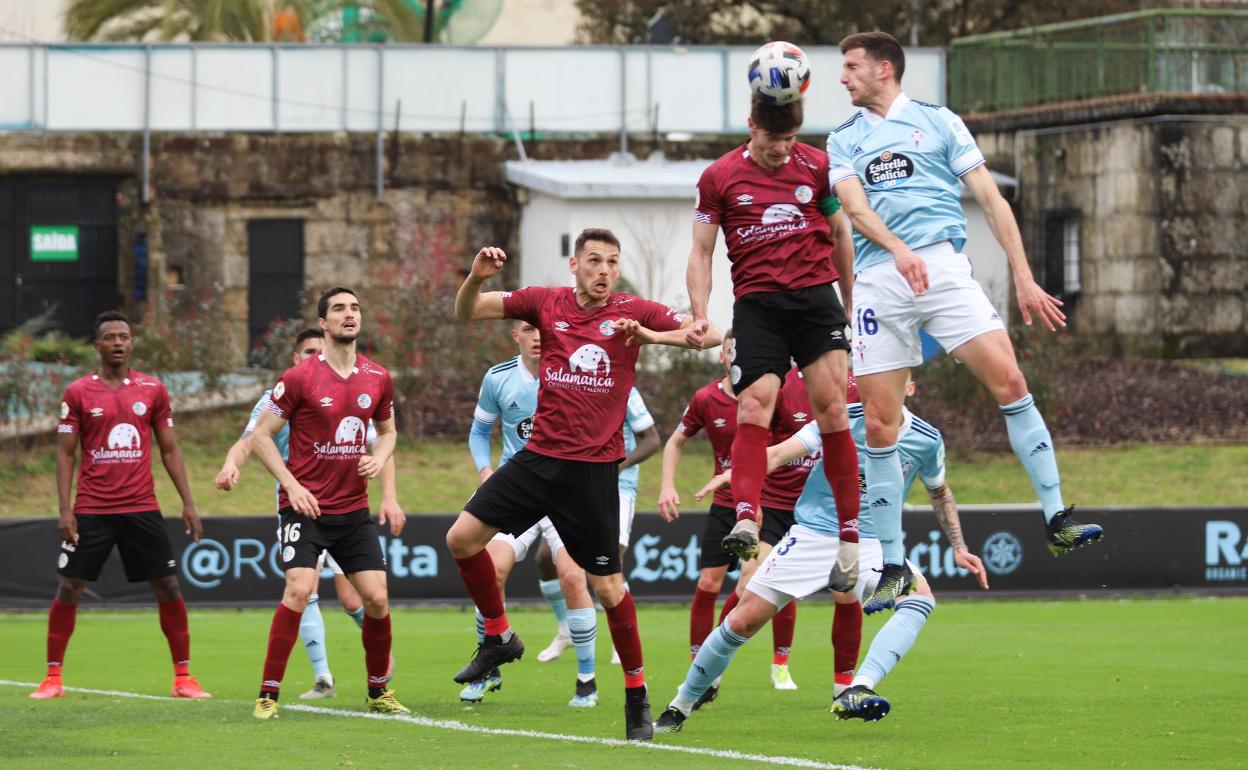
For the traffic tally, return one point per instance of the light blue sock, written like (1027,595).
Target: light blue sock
(312,631)
(708,665)
(558,605)
(357,616)
(884,482)
(895,639)
(583,625)
(1033,446)
(480,628)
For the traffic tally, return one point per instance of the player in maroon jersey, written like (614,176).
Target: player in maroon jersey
(788,243)
(323,504)
(569,469)
(114,414)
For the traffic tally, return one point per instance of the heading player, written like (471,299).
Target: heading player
(113,414)
(328,401)
(896,166)
(788,244)
(568,471)
(309,343)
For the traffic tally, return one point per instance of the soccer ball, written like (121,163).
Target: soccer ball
(779,73)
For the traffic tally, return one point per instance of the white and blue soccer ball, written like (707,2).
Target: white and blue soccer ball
(779,73)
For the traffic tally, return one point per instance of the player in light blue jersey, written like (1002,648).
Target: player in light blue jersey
(797,567)
(897,165)
(509,395)
(309,343)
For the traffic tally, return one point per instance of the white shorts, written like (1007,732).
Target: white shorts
(799,564)
(527,539)
(888,315)
(628,506)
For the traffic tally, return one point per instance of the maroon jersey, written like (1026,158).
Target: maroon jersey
(716,411)
(115,430)
(586,370)
(784,485)
(328,417)
(773,221)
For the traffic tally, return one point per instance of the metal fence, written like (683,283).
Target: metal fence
(435,89)
(1187,51)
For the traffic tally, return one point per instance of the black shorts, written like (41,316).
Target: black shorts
(773,326)
(351,538)
(776,523)
(581,498)
(719,522)
(141,538)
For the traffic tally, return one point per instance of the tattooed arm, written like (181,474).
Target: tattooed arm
(946,510)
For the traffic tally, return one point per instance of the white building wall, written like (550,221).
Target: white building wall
(988,259)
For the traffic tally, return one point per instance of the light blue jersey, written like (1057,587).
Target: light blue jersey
(636,420)
(922,456)
(509,393)
(910,163)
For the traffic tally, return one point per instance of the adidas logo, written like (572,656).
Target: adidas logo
(1043,446)
(879,502)
(513,405)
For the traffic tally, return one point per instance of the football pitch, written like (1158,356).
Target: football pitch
(1142,683)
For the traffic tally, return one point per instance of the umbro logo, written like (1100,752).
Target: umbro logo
(97,411)
(837,334)
(720,422)
(327,401)
(513,405)
(602,559)
(879,502)
(800,416)
(1043,446)
(745,199)
(561,326)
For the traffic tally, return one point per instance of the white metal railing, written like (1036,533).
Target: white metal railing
(434,89)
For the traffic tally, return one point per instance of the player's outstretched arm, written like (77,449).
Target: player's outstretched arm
(864,219)
(262,445)
(669,498)
(471,304)
(698,274)
(66,459)
(946,510)
(175,466)
(648,443)
(228,476)
(684,337)
(1031,298)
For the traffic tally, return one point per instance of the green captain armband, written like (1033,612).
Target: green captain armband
(829,206)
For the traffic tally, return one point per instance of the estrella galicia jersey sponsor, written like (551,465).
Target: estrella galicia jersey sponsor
(783,486)
(714,410)
(922,453)
(910,162)
(509,393)
(773,221)
(328,416)
(586,371)
(115,429)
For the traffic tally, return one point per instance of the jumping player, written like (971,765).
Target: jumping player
(309,343)
(327,401)
(788,243)
(568,471)
(114,414)
(896,166)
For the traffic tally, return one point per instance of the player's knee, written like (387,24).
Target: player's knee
(744,623)
(610,589)
(69,590)
(923,588)
(460,544)
(711,580)
(297,594)
(376,604)
(166,589)
(1012,386)
(882,429)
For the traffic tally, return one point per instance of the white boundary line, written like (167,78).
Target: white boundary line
(449,724)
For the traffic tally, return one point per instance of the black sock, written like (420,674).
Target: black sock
(376,692)
(268,694)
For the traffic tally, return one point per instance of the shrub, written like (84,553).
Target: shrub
(193,335)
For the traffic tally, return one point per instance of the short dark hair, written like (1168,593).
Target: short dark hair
(308,334)
(595,234)
(105,317)
(880,46)
(777,118)
(322,305)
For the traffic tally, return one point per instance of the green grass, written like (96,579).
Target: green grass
(1123,684)
(437,475)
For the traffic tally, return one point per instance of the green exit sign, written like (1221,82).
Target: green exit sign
(54,243)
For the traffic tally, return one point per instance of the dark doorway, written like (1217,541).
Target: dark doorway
(275,288)
(58,251)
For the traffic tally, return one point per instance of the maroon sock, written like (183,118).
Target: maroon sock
(478,575)
(282,636)
(622,620)
(749,468)
(173,623)
(377,649)
(846,637)
(61,619)
(782,624)
(840,465)
(701,618)
(729,603)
